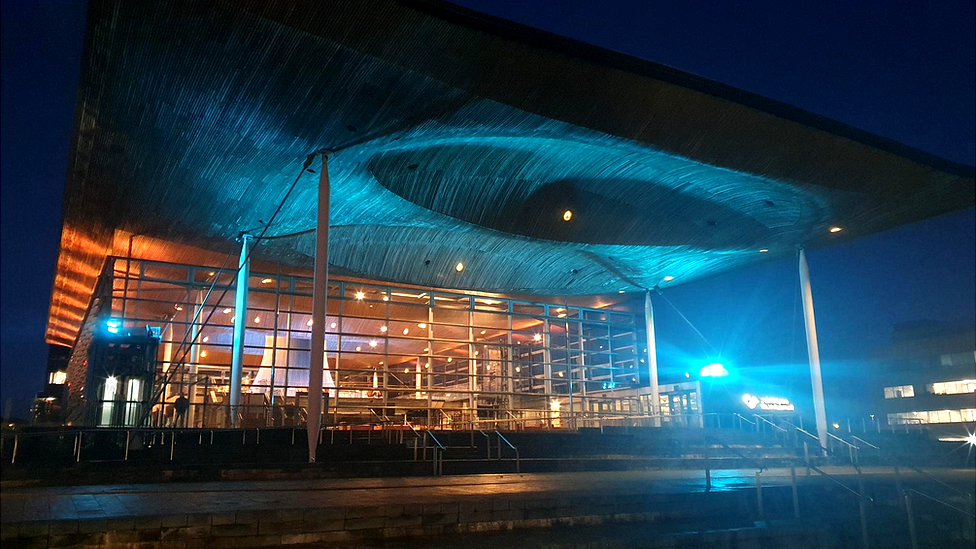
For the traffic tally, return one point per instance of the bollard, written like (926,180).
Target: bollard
(863,510)
(796,496)
(911,520)
(759,501)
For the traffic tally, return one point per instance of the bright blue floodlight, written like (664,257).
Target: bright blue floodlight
(713,370)
(112,325)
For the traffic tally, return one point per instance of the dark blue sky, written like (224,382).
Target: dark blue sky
(903,70)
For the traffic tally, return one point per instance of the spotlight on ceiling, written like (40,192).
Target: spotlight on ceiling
(459,267)
(668,278)
(568,215)
(836,229)
(764,250)
(360,295)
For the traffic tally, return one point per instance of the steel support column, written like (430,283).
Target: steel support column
(320,294)
(652,360)
(813,350)
(240,322)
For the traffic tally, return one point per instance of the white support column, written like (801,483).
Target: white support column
(813,350)
(652,360)
(240,321)
(320,294)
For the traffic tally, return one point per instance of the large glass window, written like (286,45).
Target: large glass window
(953,387)
(899,391)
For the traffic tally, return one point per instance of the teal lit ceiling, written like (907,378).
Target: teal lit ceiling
(458,138)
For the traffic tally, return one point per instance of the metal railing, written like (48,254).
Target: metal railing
(518,458)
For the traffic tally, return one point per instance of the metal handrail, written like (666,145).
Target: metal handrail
(758,465)
(770,423)
(518,458)
(862,441)
(837,438)
(839,483)
(743,418)
(939,501)
(488,438)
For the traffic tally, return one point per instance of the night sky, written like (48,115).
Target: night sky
(903,70)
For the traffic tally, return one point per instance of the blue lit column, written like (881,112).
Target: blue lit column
(240,320)
(652,360)
(320,295)
(813,350)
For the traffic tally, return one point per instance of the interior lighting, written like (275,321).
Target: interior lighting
(359,349)
(333,325)
(112,326)
(309,323)
(459,267)
(228,311)
(518,369)
(537,337)
(483,332)
(427,365)
(836,229)
(257,320)
(383,329)
(971,439)
(422,326)
(406,331)
(386,298)
(764,250)
(211,273)
(621,291)
(668,278)
(406,370)
(449,359)
(568,215)
(266,281)
(178,307)
(373,343)
(206,339)
(360,295)
(687,375)
(203,354)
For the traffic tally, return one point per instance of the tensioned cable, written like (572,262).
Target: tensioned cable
(182,362)
(688,321)
(796,291)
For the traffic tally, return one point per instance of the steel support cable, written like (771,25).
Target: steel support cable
(688,321)
(182,362)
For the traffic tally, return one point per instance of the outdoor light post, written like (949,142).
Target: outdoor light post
(320,294)
(813,350)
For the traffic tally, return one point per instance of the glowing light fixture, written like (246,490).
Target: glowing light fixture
(206,339)
(359,349)
(386,298)
(309,323)
(713,370)
(257,320)
(568,215)
(406,331)
(537,337)
(422,326)
(112,325)
(373,343)
(459,267)
(360,295)
(203,354)
(266,281)
(971,439)
(383,329)
(621,291)
(483,332)
(333,325)
(836,229)
(668,278)
(211,273)
(228,311)
(449,359)
(178,307)
(764,250)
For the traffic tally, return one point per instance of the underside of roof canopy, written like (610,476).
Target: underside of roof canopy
(458,138)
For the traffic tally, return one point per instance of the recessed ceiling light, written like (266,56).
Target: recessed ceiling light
(309,323)
(206,339)
(406,331)
(421,325)
(537,337)
(668,278)
(383,329)
(333,325)
(621,291)
(360,295)
(359,349)
(257,320)
(459,267)
(764,250)
(372,343)
(266,281)
(203,354)
(483,332)
(568,215)
(228,311)
(836,229)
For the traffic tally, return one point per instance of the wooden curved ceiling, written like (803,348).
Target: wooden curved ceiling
(460,138)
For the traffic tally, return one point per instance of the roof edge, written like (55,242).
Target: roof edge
(503,28)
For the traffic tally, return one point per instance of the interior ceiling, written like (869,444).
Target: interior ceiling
(458,138)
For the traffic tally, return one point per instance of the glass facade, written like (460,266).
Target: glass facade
(434,357)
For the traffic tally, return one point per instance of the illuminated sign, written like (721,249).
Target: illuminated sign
(775,404)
